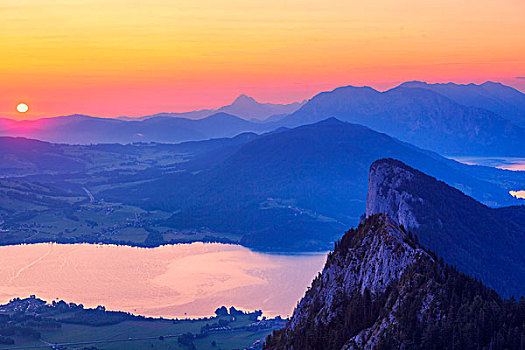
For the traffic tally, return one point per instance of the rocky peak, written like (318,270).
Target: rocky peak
(455,226)
(386,195)
(243,100)
(380,289)
(364,264)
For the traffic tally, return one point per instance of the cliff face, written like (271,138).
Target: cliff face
(363,265)
(385,195)
(458,228)
(377,255)
(380,290)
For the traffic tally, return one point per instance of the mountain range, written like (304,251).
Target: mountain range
(421,116)
(82,129)
(385,286)
(290,189)
(450,119)
(496,97)
(243,106)
(297,189)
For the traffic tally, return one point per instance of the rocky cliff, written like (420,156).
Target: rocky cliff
(485,242)
(384,288)
(380,289)
(385,194)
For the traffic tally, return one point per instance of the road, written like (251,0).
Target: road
(90,195)
(48,345)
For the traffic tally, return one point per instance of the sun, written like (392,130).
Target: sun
(22,108)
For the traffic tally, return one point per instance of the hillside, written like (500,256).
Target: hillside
(420,116)
(485,242)
(51,192)
(80,129)
(380,289)
(297,189)
(294,189)
(496,97)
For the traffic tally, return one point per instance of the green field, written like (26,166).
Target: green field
(138,329)
(32,322)
(48,201)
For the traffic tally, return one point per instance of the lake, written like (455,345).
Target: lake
(185,280)
(507,163)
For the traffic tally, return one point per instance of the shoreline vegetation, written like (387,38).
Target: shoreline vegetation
(33,320)
(121,243)
(131,244)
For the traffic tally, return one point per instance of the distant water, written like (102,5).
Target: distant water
(518,194)
(185,280)
(507,163)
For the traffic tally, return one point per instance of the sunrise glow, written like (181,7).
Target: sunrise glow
(22,108)
(108,58)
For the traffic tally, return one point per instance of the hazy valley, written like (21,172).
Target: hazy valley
(272,178)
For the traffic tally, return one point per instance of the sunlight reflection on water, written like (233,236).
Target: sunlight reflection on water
(518,194)
(506,163)
(170,281)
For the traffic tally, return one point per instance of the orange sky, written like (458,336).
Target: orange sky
(133,57)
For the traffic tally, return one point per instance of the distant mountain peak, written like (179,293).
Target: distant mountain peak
(223,115)
(247,107)
(244,99)
(330,121)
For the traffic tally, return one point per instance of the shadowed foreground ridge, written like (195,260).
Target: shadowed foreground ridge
(485,242)
(380,289)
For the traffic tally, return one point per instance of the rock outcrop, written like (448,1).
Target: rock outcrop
(484,242)
(385,194)
(383,288)
(380,289)
(365,262)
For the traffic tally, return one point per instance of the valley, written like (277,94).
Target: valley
(250,189)
(243,212)
(262,175)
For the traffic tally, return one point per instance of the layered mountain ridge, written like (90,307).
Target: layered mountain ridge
(380,289)
(384,287)
(451,119)
(296,189)
(496,97)
(485,242)
(421,116)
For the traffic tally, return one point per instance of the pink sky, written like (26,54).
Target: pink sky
(111,58)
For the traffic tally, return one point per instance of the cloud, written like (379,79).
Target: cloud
(520,78)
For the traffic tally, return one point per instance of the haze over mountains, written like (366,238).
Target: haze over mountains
(287,190)
(243,115)
(81,129)
(245,107)
(451,119)
(420,116)
(496,97)
(297,189)
(272,188)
